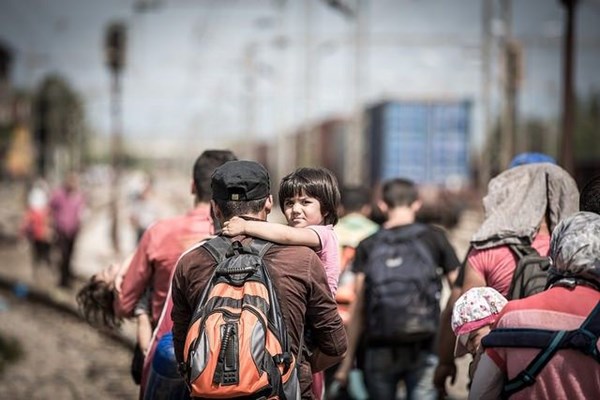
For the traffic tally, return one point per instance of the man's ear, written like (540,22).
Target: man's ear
(382,206)
(416,205)
(216,211)
(269,204)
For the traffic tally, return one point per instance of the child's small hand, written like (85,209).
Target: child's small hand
(235,226)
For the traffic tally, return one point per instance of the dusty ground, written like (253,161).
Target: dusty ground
(61,357)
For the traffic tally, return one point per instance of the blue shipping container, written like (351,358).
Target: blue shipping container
(427,142)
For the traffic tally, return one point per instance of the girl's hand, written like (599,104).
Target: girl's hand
(235,226)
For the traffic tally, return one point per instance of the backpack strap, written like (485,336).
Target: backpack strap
(583,339)
(260,246)
(521,250)
(409,232)
(217,247)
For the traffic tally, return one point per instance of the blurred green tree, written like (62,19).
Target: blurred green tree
(61,133)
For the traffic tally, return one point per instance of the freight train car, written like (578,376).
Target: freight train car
(324,145)
(426,141)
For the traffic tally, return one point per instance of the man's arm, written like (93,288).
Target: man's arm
(272,232)
(323,319)
(181,313)
(135,280)
(446,367)
(488,380)
(472,278)
(451,277)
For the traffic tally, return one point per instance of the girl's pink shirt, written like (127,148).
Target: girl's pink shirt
(329,254)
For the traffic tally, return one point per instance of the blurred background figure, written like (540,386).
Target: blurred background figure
(354,226)
(67,206)
(36,226)
(143,208)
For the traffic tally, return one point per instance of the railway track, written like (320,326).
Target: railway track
(57,355)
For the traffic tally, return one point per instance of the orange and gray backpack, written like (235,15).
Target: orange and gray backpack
(237,345)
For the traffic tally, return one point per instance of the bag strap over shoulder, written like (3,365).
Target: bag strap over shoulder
(522,250)
(260,246)
(409,232)
(218,247)
(583,339)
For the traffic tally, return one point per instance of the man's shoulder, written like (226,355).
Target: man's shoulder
(370,240)
(170,225)
(196,252)
(277,248)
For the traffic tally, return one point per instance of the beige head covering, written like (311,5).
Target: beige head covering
(517,200)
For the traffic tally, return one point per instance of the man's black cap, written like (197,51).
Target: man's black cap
(240,181)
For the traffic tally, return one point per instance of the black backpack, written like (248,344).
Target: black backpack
(402,287)
(530,276)
(583,339)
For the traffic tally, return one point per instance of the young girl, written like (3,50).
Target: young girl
(309,199)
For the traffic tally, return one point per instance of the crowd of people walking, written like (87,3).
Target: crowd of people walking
(336,304)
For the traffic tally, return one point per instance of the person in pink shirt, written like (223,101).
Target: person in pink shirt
(161,245)
(120,291)
(309,198)
(574,290)
(67,205)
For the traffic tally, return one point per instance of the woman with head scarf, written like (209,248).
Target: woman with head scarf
(574,290)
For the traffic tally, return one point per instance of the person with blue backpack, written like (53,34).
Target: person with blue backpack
(545,346)
(399,272)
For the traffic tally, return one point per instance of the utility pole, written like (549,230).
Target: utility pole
(355,148)
(488,154)
(308,143)
(250,66)
(508,125)
(568,118)
(115,59)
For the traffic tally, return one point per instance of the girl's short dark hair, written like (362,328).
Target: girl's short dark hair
(319,183)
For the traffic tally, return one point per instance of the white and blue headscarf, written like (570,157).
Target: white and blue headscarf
(575,248)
